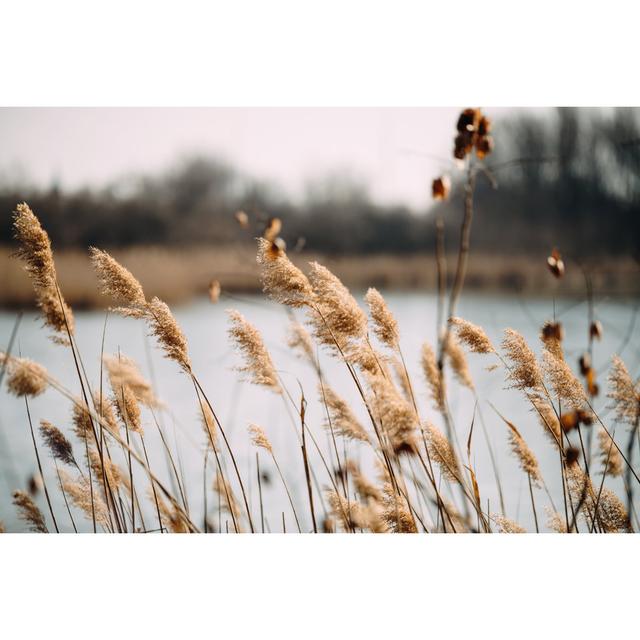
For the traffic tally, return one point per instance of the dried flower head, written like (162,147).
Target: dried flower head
(281,280)
(29,512)
(259,438)
(441,452)
(524,373)
(172,517)
(126,405)
(565,385)
(336,316)
(35,250)
(432,375)
(396,417)
(123,371)
(349,514)
(341,419)
(473,336)
(458,361)
(551,336)
(115,281)
(610,457)
(507,526)
(57,443)
(165,328)
(365,488)
(208,421)
(440,188)
(300,340)
(548,419)
(90,503)
(385,325)
(555,521)
(521,450)
(25,377)
(624,392)
(258,363)
(396,513)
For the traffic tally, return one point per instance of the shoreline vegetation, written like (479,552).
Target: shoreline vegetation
(178,275)
(404,468)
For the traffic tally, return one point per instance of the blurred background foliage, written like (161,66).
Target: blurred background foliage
(571,180)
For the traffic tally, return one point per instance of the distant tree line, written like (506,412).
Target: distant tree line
(571,180)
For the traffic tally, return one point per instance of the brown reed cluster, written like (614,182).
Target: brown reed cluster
(376,417)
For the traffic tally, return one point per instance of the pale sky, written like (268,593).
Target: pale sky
(92,146)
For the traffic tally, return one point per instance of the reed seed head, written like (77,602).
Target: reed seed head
(115,281)
(624,393)
(57,443)
(385,325)
(610,458)
(35,251)
(258,364)
(432,376)
(165,328)
(565,385)
(123,371)
(29,512)
(473,336)
(25,377)
(441,452)
(458,361)
(282,281)
(259,438)
(340,417)
(524,372)
(505,525)
(336,316)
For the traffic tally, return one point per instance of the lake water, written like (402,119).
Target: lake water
(239,403)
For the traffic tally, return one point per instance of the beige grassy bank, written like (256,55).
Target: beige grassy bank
(176,275)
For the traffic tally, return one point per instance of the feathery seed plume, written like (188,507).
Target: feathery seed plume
(432,376)
(565,385)
(258,363)
(25,377)
(343,420)
(35,250)
(385,324)
(441,452)
(458,361)
(336,315)
(507,526)
(524,372)
(259,438)
(610,457)
(57,443)
(29,512)
(282,281)
(624,393)
(115,281)
(165,328)
(473,336)
(80,493)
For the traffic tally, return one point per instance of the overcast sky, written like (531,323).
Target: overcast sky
(385,147)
